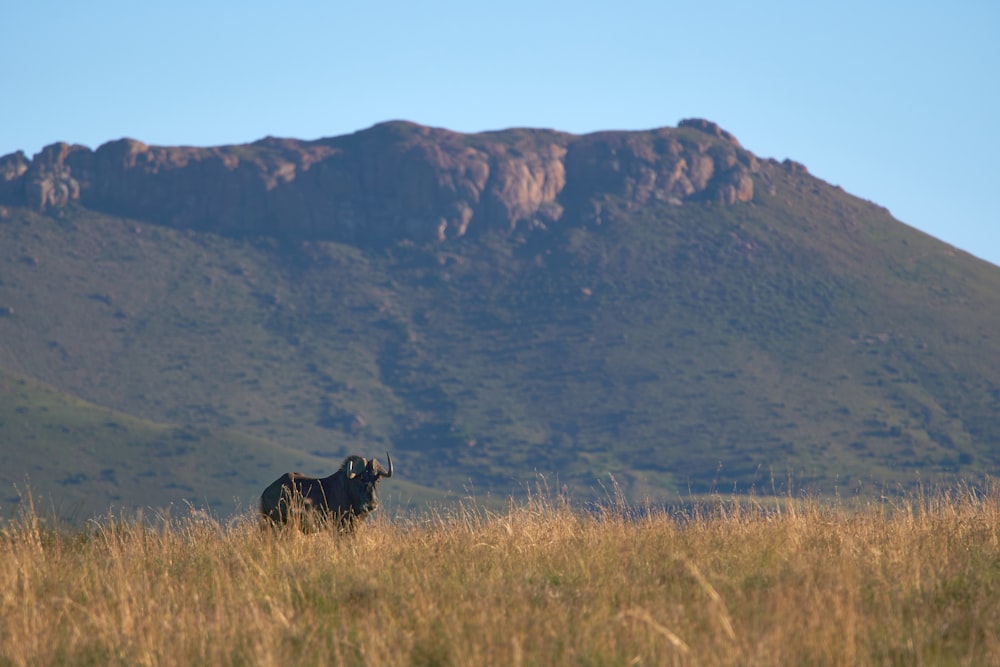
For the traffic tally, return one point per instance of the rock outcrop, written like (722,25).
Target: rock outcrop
(49,180)
(12,170)
(391,182)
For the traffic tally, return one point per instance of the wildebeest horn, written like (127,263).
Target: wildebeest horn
(389,459)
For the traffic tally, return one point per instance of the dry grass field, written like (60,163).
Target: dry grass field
(894,582)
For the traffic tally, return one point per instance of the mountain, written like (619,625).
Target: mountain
(661,308)
(394,182)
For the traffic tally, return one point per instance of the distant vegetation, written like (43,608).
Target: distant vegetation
(740,581)
(80,460)
(676,346)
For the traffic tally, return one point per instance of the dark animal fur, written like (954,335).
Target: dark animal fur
(346,497)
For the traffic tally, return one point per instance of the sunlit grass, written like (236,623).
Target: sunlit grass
(737,582)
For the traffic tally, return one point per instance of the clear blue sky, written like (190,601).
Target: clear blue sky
(897,102)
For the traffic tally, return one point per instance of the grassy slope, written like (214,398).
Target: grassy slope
(806,334)
(809,334)
(88,459)
(78,460)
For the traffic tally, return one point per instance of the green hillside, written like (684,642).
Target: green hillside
(75,460)
(804,335)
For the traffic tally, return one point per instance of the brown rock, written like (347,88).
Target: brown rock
(661,164)
(13,166)
(395,181)
(708,127)
(48,182)
(12,169)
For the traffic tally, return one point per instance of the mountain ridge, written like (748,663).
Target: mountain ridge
(394,181)
(609,326)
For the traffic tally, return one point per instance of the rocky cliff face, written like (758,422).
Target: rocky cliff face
(390,182)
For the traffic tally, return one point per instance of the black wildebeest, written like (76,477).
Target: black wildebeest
(345,497)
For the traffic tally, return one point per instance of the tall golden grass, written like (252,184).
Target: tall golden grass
(907,582)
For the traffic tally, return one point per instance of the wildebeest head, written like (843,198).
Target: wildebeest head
(362,482)
(346,496)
